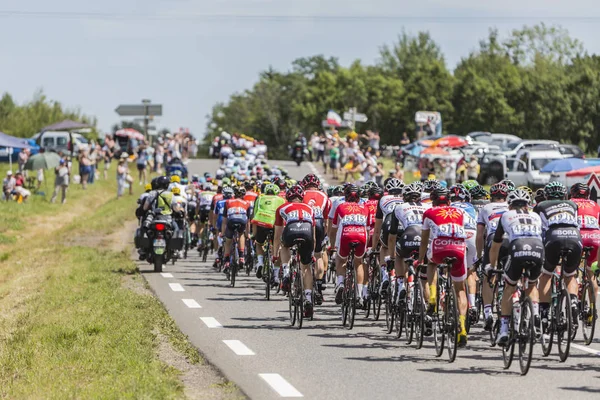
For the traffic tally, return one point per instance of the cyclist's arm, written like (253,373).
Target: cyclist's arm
(496,244)
(424,243)
(479,239)
(393,233)
(277,239)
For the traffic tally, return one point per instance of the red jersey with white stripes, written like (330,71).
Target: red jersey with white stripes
(294,212)
(318,201)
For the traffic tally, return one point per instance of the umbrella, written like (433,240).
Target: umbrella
(585,171)
(46,160)
(435,151)
(130,133)
(450,141)
(565,165)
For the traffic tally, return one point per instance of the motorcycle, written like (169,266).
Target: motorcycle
(297,154)
(158,240)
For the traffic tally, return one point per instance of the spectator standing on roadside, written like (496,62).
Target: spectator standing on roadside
(142,164)
(8,185)
(379,174)
(405,139)
(399,172)
(159,157)
(85,168)
(94,156)
(473,168)
(61,181)
(22,160)
(334,159)
(107,153)
(450,172)
(123,177)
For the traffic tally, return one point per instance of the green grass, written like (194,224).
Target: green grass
(70,328)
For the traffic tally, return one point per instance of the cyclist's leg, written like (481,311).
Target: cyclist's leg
(552,259)
(227,246)
(571,268)
(305,250)
(362,275)
(512,274)
(320,263)
(592,238)
(471,276)
(487,287)
(259,234)
(340,267)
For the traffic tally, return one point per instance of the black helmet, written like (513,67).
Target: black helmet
(555,190)
(338,191)
(439,195)
(239,192)
(580,191)
(162,183)
(352,193)
(540,195)
(375,192)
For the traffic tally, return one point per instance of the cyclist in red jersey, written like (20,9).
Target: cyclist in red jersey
(588,217)
(295,220)
(251,195)
(375,194)
(320,204)
(235,219)
(443,235)
(350,224)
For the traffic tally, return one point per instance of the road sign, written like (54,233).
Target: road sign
(357,117)
(594,185)
(134,110)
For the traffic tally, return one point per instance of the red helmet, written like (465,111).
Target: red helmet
(295,192)
(310,180)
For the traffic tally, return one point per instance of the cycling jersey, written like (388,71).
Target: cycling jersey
(318,201)
(469,209)
(517,225)
(335,202)
(352,221)
(372,207)
(206,199)
(408,214)
(489,216)
(479,204)
(236,209)
(293,212)
(265,209)
(386,206)
(250,197)
(557,213)
(216,198)
(219,211)
(588,213)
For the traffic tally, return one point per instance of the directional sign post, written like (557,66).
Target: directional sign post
(145,110)
(352,116)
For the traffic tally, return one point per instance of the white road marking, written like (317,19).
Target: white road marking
(280,385)
(191,303)
(210,322)
(176,287)
(166,274)
(238,347)
(586,349)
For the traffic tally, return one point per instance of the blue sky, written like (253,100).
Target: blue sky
(96,55)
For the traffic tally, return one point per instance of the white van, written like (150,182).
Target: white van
(59,141)
(527,165)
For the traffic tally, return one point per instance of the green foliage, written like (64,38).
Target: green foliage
(535,83)
(28,119)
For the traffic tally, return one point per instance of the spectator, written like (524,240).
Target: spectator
(450,171)
(379,174)
(142,163)
(123,177)
(40,178)
(8,185)
(93,156)
(85,168)
(108,152)
(399,172)
(473,168)
(405,139)
(20,186)
(61,181)
(334,159)
(159,157)
(22,160)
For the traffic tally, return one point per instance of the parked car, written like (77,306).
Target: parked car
(527,165)
(497,139)
(571,150)
(59,141)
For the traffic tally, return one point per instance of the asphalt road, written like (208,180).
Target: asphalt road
(249,339)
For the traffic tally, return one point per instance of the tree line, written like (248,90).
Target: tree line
(29,118)
(536,83)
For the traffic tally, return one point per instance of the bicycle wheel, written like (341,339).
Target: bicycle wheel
(508,351)
(369,289)
(588,312)
(400,319)
(268,278)
(564,325)
(410,314)
(291,301)
(547,338)
(233,271)
(375,296)
(451,323)
(299,298)
(526,335)
(495,312)
(389,312)
(352,299)
(439,330)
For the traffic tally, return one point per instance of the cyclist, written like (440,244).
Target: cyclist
(443,235)
(204,207)
(539,196)
(295,220)
(561,233)
(479,197)
(263,221)
(429,185)
(235,218)
(405,231)
(212,217)
(321,205)
(383,220)
(524,229)
(350,225)
(487,222)
(588,216)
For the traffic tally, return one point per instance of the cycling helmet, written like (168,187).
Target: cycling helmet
(430,185)
(162,183)
(330,190)
(352,193)
(555,190)
(338,191)
(499,190)
(295,192)
(249,185)
(478,192)
(227,193)
(369,184)
(394,186)
(281,184)
(470,184)
(363,191)
(239,192)
(176,190)
(375,192)
(195,177)
(184,181)
(310,180)
(270,189)
(148,187)
(175,178)
(439,195)
(540,195)
(580,191)
(206,174)
(509,184)
(459,193)
(527,189)
(412,192)
(226,181)
(518,197)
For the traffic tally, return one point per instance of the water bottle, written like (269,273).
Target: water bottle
(516,310)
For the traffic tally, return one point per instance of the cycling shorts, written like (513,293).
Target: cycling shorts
(441,248)
(525,253)
(319,234)
(261,234)
(353,234)
(385,230)
(559,239)
(408,241)
(471,247)
(591,238)
(502,255)
(203,215)
(191,210)
(302,231)
(235,225)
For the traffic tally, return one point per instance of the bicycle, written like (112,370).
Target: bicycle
(187,238)
(249,257)
(587,303)
(497,293)
(235,256)
(560,321)
(331,268)
(349,291)
(390,306)
(205,240)
(296,294)
(521,327)
(374,301)
(267,272)
(473,318)
(445,317)
(415,304)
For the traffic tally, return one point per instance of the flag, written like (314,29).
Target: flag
(333,118)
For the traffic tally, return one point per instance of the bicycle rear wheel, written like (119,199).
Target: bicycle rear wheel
(588,312)
(451,322)
(400,319)
(547,338)
(375,296)
(389,311)
(291,299)
(233,270)
(418,315)
(352,299)
(508,351)
(439,329)
(526,336)
(410,314)
(495,312)
(299,297)
(564,325)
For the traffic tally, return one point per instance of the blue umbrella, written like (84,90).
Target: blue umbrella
(565,165)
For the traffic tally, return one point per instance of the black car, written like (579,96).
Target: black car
(571,150)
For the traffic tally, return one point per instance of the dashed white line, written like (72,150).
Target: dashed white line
(280,385)
(191,303)
(238,347)
(210,322)
(176,287)
(586,349)
(166,274)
